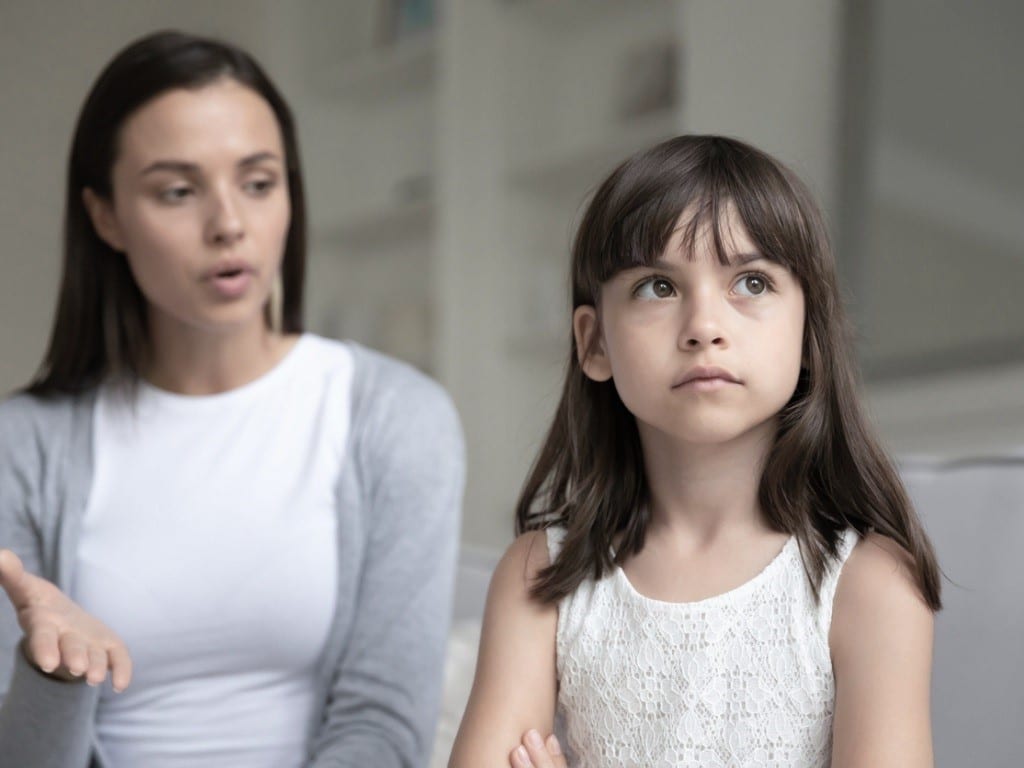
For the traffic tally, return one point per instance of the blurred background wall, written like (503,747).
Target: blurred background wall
(449,147)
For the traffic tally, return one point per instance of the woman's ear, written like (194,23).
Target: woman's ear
(101,213)
(587,331)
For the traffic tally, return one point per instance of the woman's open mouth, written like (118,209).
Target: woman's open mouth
(231,281)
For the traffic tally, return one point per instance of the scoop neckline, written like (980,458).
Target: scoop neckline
(250,389)
(732,594)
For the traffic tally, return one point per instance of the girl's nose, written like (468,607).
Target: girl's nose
(702,326)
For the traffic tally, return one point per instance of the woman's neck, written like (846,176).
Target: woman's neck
(191,361)
(702,492)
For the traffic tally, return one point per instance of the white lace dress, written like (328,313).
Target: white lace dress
(740,679)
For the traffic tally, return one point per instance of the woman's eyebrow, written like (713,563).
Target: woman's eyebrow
(185,167)
(257,158)
(176,166)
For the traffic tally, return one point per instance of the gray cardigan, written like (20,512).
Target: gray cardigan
(399,496)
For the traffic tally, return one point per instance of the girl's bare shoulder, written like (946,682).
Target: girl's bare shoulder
(518,568)
(878,602)
(878,569)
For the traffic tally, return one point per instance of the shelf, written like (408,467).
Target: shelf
(560,16)
(538,346)
(404,67)
(576,171)
(382,224)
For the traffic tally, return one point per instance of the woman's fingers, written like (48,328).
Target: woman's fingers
(74,654)
(11,571)
(70,656)
(60,638)
(43,649)
(98,662)
(120,667)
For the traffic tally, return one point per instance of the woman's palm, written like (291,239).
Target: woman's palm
(62,639)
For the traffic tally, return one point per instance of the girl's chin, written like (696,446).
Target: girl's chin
(706,436)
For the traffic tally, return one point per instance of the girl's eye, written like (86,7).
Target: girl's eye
(655,288)
(753,284)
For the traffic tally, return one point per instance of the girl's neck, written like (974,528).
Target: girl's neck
(702,492)
(192,361)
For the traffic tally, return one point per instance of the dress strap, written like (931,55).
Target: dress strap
(847,541)
(555,537)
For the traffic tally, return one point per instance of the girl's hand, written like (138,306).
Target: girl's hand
(61,639)
(535,752)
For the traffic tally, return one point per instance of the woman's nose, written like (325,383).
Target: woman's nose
(224,225)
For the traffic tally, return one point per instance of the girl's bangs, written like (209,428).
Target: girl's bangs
(640,237)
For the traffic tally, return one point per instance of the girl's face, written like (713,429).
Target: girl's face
(200,205)
(699,351)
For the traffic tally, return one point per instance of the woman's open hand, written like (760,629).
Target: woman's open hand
(61,639)
(536,752)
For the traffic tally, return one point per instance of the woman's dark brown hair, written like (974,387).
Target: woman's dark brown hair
(100,326)
(825,472)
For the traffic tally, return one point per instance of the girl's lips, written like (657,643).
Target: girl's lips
(707,385)
(704,374)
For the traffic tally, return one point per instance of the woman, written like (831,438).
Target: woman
(251,529)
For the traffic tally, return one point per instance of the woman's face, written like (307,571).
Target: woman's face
(200,206)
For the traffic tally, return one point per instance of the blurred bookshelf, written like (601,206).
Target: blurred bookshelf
(383,72)
(552,138)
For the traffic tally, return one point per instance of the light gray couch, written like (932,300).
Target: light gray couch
(974,511)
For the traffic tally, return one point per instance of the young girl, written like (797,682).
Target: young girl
(265,520)
(718,565)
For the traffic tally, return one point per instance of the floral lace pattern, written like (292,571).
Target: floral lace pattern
(739,679)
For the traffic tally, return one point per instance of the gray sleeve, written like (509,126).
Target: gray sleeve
(384,698)
(43,722)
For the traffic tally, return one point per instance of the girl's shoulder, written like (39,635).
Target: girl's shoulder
(876,566)
(881,643)
(525,557)
(878,594)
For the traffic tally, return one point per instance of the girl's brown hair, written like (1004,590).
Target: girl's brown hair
(825,472)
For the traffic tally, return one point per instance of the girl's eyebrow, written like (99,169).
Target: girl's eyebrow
(742,259)
(736,260)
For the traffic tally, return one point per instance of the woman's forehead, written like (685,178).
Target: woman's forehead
(221,118)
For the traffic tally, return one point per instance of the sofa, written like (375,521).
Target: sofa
(973,510)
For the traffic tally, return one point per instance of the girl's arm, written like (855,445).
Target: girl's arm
(515,684)
(881,642)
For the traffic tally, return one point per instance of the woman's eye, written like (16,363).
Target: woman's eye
(753,285)
(655,288)
(175,194)
(259,187)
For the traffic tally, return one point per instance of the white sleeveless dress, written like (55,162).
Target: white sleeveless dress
(740,679)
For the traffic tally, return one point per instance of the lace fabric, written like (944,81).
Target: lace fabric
(740,679)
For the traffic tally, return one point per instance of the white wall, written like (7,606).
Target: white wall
(49,55)
(512,89)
